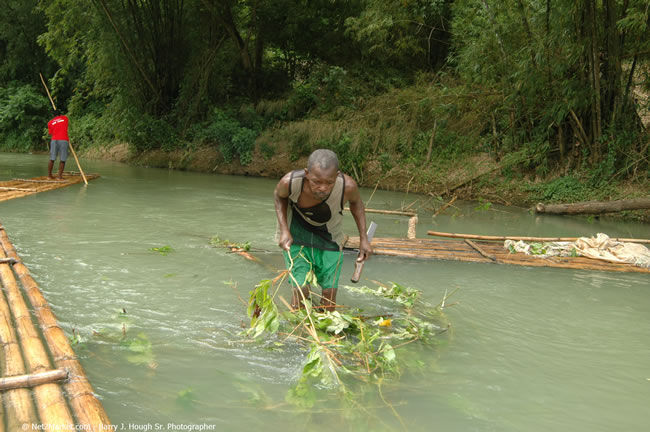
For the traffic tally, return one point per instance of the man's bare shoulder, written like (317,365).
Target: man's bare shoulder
(351,192)
(282,188)
(350,183)
(286,178)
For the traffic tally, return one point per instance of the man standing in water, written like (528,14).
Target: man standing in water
(58,128)
(309,207)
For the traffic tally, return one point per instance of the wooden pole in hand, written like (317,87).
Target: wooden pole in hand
(83,175)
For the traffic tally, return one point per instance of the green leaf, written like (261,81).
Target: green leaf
(388,353)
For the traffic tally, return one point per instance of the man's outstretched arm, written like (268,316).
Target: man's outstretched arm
(359,214)
(281,199)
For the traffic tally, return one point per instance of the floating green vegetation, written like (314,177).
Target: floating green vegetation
(349,351)
(76,340)
(186,398)
(218,242)
(138,348)
(163,250)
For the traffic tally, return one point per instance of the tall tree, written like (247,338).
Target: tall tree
(562,72)
(405,34)
(21,58)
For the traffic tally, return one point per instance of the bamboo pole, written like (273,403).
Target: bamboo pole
(38,181)
(388,212)
(49,96)
(32,380)
(69,141)
(535,239)
(17,189)
(74,153)
(85,405)
(479,250)
(18,402)
(50,403)
(2,416)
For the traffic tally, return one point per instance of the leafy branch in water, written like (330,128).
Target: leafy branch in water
(138,348)
(218,242)
(348,347)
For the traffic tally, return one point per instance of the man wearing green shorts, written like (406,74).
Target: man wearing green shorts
(309,207)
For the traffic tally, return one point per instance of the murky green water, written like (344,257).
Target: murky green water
(532,349)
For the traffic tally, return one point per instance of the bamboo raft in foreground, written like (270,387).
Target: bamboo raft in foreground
(482,251)
(18,188)
(35,359)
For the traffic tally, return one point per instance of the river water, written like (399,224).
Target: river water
(531,349)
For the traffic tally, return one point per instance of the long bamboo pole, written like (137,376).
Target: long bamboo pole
(69,141)
(32,380)
(2,415)
(479,250)
(85,405)
(50,403)
(537,239)
(19,406)
(38,181)
(83,175)
(388,212)
(16,189)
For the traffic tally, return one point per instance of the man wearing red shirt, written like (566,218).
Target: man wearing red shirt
(58,128)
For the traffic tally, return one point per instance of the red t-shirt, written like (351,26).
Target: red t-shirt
(58,128)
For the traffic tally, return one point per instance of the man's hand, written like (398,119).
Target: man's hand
(365,250)
(286,240)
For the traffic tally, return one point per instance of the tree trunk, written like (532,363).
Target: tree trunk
(595,72)
(613,68)
(225,18)
(594,207)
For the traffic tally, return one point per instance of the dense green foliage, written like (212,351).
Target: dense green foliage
(548,87)
(560,76)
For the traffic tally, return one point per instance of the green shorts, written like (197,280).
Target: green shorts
(325,264)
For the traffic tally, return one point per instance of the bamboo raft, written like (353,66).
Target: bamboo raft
(43,385)
(483,252)
(18,188)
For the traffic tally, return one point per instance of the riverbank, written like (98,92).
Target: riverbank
(474,177)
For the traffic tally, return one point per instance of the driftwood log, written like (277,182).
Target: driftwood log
(594,207)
